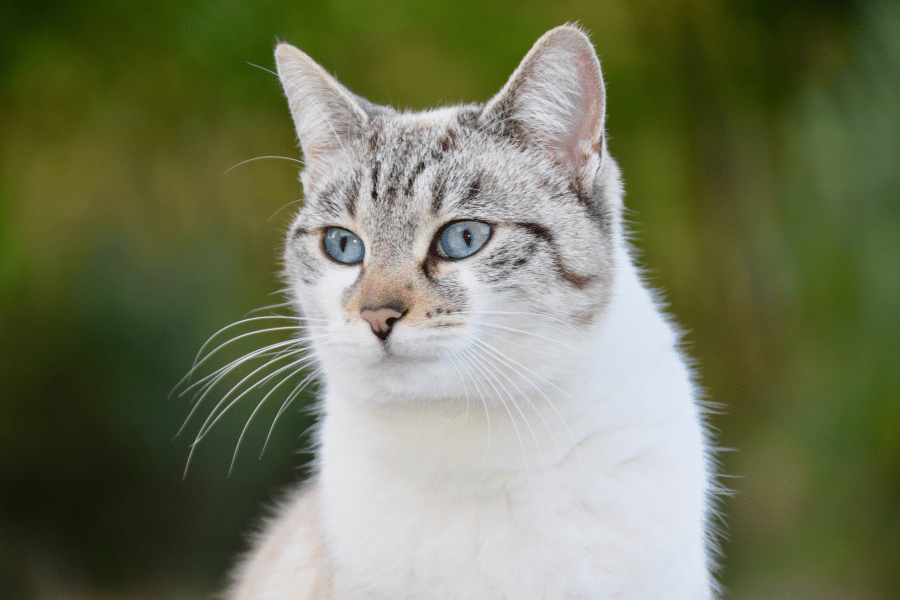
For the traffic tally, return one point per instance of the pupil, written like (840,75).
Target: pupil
(467,237)
(343,243)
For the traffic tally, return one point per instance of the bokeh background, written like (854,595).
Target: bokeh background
(759,141)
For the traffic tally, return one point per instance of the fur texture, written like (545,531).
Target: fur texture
(528,428)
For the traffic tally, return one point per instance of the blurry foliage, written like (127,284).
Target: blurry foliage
(759,142)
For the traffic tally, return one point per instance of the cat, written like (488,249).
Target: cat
(505,409)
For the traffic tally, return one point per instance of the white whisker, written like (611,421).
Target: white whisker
(198,362)
(297,367)
(487,413)
(265,351)
(215,415)
(273,306)
(516,313)
(212,379)
(512,401)
(296,392)
(499,356)
(537,335)
(511,418)
(260,158)
(272,216)
(302,362)
(204,429)
(300,341)
(583,405)
(510,362)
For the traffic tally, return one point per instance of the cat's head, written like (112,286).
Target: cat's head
(469,246)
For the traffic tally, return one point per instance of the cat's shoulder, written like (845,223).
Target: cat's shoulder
(289,554)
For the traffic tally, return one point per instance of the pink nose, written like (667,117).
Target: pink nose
(382,320)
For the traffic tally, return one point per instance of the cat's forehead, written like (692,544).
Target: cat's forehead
(411,168)
(402,165)
(426,137)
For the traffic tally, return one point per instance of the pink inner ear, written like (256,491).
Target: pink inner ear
(586,116)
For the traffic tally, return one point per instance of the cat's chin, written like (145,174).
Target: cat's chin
(408,362)
(399,372)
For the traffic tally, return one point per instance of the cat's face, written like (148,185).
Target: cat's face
(466,247)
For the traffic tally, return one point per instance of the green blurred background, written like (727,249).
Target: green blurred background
(759,141)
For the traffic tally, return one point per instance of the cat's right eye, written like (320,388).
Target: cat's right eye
(343,246)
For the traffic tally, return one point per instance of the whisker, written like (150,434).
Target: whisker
(273,306)
(538,375)
(296,392)
(275,357)
(236,362)
(193,445)
(284,290)
(298,368)
(198,362)
(452,364)
(509,360)
(210,380)
(301,340)
(302,362)
(511,418)
(272,216)
(499,356)
(562,322)
(260,158)
(487,412)
(537,335)
(512,401)
(215,415)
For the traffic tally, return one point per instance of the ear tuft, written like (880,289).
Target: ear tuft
(555,100)
(325,113)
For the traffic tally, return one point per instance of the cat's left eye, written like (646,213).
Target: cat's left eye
(343,246)
(462,239)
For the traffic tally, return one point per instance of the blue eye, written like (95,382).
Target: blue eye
(463,238)
(343,246)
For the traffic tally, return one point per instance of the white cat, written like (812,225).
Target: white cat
(506,413)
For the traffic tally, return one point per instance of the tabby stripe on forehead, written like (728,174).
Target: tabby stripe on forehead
(438,190)
(544,234)
(391,181)
(375,181)
(412,178)
(351,193)
(474,190)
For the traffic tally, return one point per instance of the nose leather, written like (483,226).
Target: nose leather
(381,320)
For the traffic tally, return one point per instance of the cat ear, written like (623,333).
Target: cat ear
(325,113)
(555,100)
